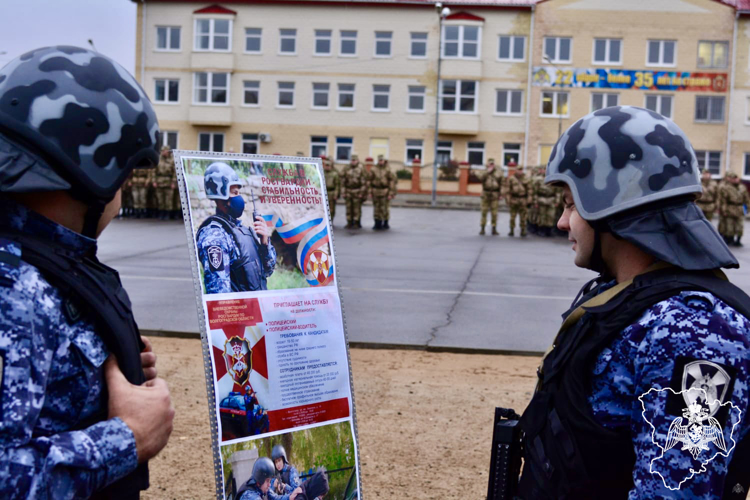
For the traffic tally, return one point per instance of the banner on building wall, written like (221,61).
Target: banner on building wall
(611,78)
(275,350)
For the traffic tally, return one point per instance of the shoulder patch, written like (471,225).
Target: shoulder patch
(10,259)
(215,257)
(716,380)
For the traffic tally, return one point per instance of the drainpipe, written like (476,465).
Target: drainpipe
(528,92)
(731,94)
(143,43)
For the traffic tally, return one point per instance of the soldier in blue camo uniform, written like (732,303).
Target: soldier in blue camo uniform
(74,422)
(258,487)
(235,258)
(644,393)
(287,477)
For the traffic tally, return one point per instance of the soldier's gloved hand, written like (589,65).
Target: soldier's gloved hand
(148,359)
(296,492)
(147,409)
(262,229)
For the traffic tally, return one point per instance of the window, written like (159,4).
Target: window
(545,150)
(710,160)
(344,148)
(475,153)
(508,102)
(418,45)
(459,96)
(555,104)
(286,95)
(511,153)
(444,153)
(211,141)
(746,170)
(416,98)
(252,40)
(378,146)
(461,41)
(599,101)
(557,49)
(287,41)
(414,150)
(250,144)
(167,38)
(166,90)
(661,53)
(251,93)
(709,109)
(318,146)
(511,48)
(168,138)
(320,95)
(607,51)
(348,43)
(346,96)
(213,34)
(323,42)
(661,104)
(211,88)
(383,43)
(380,97)
(713,54)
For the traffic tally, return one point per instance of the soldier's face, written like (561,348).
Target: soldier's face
(266,485)
(579,231)
(110,212)
(279,464)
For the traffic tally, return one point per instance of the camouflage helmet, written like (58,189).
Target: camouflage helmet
(217,180)
(82,115)
(278,451)
(263,469)
(622,157)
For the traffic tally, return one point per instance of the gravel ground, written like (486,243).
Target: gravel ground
(424,420)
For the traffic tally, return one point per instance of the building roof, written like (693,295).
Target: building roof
(426,3)
(215,9)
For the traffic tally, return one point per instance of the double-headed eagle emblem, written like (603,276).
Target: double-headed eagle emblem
(696,435)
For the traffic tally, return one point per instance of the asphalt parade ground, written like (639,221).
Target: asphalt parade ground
(430,282)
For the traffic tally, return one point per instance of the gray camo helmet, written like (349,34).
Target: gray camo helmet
(279,452)
(263,469)
(622,157)
(217,180)
(79,117)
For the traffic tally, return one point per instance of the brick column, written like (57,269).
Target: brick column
(416,169)
(463,178)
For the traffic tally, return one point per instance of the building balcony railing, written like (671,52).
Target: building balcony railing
(217,116)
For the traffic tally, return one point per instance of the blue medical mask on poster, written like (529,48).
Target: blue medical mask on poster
(236,206)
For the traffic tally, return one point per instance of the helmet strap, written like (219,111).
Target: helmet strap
(91,219)
(597,260)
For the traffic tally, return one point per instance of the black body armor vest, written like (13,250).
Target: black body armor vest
(96,292)
(567,453)
(246,272)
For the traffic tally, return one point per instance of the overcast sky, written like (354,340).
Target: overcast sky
(30,24)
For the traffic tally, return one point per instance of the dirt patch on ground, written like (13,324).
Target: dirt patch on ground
(424,420)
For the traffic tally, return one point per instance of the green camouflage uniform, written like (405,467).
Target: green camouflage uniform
(732,197)
(710,197)
(535,181)
(143,178)
(382,184)
(492,183)
(333,185)
(519,198)
(127,196)
(354,190)
(545,200)
(166,183)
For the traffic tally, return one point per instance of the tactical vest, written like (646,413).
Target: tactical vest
(249,484)
(246,272)
(94,290)
(286,474)
(567,453)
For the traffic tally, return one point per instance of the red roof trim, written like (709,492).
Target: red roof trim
(215,9)
(464,16)
(473,4)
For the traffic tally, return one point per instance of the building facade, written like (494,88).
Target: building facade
(337,78)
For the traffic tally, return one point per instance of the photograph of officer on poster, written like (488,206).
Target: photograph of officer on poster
(259,225)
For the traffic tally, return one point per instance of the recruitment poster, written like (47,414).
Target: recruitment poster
(275,349)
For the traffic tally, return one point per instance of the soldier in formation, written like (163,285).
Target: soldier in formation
(733,198)
(165,184)
(333,185)
(141,180)
(127,197)
(518,197)
(545,199)
(710,197)
(492,184)
(535,180)
(382,184)
(354,190)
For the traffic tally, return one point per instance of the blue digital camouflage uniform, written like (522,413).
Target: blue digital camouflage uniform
(253,493)
(52,380)
(217,279)
(294,480)
(693,325)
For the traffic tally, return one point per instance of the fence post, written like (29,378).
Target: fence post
(416,169)
(463,178)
